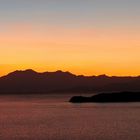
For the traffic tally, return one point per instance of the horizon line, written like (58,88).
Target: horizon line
(24,70)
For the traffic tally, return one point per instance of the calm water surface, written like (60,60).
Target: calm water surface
(54,118)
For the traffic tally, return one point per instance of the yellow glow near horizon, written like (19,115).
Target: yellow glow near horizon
(86,51)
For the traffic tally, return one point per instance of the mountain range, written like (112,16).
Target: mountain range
(30,81)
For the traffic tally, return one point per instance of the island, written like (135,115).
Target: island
(108,98)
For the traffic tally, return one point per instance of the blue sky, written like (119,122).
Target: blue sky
(72,12)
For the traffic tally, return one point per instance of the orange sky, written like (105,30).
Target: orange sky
(83,37)
(89,51)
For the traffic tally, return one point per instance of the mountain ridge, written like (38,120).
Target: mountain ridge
(60,71)
(30,81)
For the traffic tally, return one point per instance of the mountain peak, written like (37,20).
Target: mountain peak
(29,71)
(22,72)
(61,73)
(102,76)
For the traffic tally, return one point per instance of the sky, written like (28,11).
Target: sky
(89,37)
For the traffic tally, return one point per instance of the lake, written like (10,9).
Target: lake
(52,117)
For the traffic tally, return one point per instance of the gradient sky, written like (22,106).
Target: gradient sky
(89,37)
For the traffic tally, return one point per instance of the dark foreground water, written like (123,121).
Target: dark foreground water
(53,118)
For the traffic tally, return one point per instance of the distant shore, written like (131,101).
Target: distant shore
(108,98)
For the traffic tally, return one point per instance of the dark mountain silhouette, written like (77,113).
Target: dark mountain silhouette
(29,81)
(108,98)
